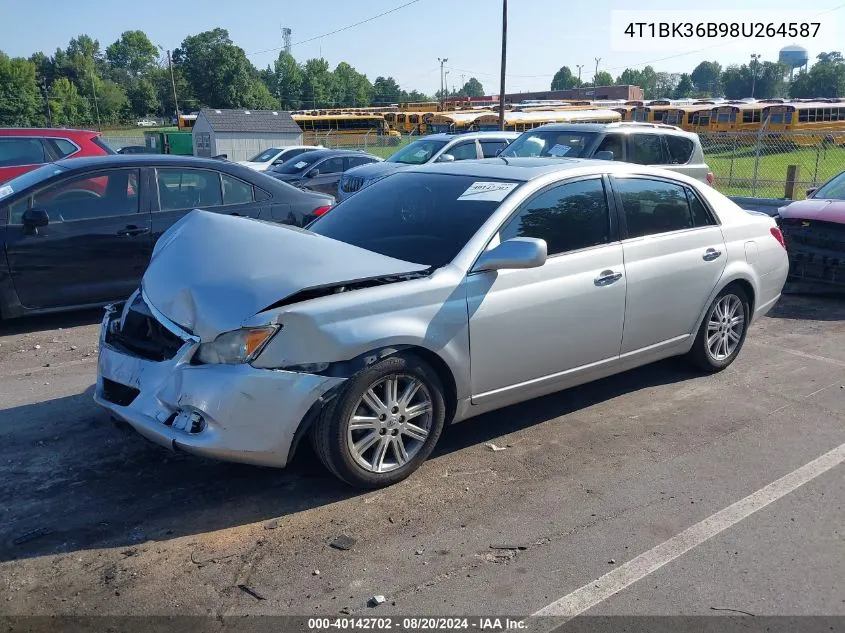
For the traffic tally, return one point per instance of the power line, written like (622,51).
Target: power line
(345,28)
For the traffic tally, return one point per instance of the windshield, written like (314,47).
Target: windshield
(550,144)
(28,179)
(297,164)
(264,156)
(421,218)
(833,190)
(417,153)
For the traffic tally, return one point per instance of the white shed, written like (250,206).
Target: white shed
(241,134)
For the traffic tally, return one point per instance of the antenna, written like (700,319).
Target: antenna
(286,33)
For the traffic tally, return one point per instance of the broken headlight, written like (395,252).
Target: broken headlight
(235,347)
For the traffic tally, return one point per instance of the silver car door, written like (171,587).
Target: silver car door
(674,257)
(529,327)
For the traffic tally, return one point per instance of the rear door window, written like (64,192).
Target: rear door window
(21,151)
(331,166)
(463,151)
(235,191)
(611,143)
(653,206)
(645,149)
(679,149)
(180,189)
(491,149)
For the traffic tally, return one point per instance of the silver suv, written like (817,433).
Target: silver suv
(434,148)
(652,144)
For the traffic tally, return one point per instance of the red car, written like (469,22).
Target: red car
(814,230)
(23,149)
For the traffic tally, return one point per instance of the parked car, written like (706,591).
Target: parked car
(81,231)
(652,144)
(276,156)
(814,230)
(432,296)
(146,123)
(132,149)
(23,149)
(322,169)
(429,149)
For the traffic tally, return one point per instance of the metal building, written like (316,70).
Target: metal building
(241,134)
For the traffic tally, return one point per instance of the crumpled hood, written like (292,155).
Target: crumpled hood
(210,272)
(813,209)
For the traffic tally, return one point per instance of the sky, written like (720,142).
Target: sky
(543,35)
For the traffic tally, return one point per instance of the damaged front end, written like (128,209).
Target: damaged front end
(816,251)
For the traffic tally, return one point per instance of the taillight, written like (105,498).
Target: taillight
(710,178)
(321,211)
(776,233)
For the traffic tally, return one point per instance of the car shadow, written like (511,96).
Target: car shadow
(41,322)
(815,307)
(75,480)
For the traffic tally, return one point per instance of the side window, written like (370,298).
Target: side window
(106,194)
(700,215)
(645,149)
(21,151)
(571,216)
(60,147)
(357,161)
(679,148)
(463,151)
(187,189)
(612,143)
(331,166)
(235,191)
(653,206)
(491,149)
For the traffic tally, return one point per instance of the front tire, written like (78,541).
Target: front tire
(722,332)
(384,423)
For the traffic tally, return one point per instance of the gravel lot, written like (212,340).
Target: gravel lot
(95,520)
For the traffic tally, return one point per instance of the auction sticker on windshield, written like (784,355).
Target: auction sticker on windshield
(488,191)
(6,190)
(300,164)
(559,150)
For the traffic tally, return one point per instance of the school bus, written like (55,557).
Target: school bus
(692,118)
(409,122)
(186,121)
(420,106)
(346,129)
(521,121)
(651,112)
(824,117)
(455,122)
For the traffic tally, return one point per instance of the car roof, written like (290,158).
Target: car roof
(525,169)
(445,136)
(619,126)
(49,132)
(140,160)
(323,153)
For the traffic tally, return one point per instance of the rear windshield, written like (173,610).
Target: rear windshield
(417,153)
(264,156)
(297,164)
(99,142)
(422,218)
(833,190)
(550,144)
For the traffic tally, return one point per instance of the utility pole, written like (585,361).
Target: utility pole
(96,106)
(173,83)
(596,76)
(47,102)
(579,67)
(754,58)
(504,63)
(442,80)
(446,77)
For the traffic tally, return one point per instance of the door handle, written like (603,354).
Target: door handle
(132,230)
(607,277)
(710,254)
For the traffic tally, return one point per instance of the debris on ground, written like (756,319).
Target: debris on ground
(272,524)
(376,601)
(346,610)
(251,591)
(132,551)
(316,572)
(520,546)
(612,561)
(26,537)
(419,552)
(37,347)
(495,448)
(343,542)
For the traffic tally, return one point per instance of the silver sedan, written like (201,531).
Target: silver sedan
(433,296)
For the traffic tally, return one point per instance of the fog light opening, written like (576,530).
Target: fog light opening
(188,421)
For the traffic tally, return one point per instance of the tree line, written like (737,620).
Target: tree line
(83,84)
(765,80)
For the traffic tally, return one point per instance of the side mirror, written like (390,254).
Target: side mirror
(811,191)
(445,158)
(35,218)
(604,155)
(312,173)
(518,252)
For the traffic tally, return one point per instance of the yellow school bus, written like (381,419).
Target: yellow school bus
(521,121)
(692,118)
(345,129)
(651,112)
(805,123)
(420,106)
(186,121)
(455,122)
(409,122)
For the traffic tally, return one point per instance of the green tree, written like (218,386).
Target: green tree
(67,105)
(416,96)
(826,78)
(664,85)
(350,87)
(603,78)
(684,88)
(133,51)
(317,84)
(472,88)
(564,79)
(629,77)
(386,91)
(289,81)
(706,78)
(20,100)
(143,97)
(648,82)
(111,101)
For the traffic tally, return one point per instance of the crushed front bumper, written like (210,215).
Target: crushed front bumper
(816,252)
(231,412)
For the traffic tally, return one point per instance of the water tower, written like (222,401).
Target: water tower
(793,56)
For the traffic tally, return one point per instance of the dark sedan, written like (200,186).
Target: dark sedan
(80,232)
(320,170)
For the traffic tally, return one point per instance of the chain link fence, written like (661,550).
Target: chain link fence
(381,145)
(773,164)
(118,141)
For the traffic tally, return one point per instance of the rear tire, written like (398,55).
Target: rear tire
(383,424)
(722,332)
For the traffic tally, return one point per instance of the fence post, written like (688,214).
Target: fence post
(756,163)
(733,158)
(791,178)
(816,172)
